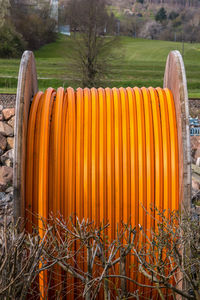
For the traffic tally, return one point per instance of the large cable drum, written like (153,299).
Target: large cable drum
(107,155)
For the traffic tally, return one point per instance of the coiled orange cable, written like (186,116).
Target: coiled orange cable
(107,155)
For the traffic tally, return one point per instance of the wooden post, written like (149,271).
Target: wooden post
(175,80)
(27,87)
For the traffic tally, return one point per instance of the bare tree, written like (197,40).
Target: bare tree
(4,11)
(84,252)
(89,20)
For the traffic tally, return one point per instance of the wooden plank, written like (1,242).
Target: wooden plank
(175,80)
(27,87)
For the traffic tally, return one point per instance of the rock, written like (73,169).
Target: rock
(6,176)
(2,195)
(195,142)
(7,158)
(8,163)
(5,129)
(1,117)
(1,108)
(195,184)
(3,142)
(5,200)
(197,153)
(195,147)
(198,162)
(8,113)
(6,208)
(9,190)
(10,143)
(11,122)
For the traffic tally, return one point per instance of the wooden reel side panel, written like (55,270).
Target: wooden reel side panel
(175,80)
(27,87)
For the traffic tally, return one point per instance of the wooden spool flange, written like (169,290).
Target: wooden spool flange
(27,88)
(175,80)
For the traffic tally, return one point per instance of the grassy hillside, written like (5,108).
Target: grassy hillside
(136,62)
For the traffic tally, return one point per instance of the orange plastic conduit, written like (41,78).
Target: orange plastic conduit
(109,155)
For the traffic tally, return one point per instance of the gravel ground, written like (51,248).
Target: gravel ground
(7,100)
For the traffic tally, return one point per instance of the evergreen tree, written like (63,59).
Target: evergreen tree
(161,15)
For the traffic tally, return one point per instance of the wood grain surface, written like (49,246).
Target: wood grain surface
(27,87)
(175,80)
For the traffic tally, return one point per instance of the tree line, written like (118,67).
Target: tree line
(94,30)
(24,27)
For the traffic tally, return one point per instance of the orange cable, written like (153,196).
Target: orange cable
(104,155)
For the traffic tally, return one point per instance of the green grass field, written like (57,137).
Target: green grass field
(136,62)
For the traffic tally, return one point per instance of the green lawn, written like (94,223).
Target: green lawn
(136,62)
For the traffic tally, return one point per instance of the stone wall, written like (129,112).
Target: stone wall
(7,120)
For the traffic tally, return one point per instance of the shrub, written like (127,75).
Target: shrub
(11,42)
(173,15)
(20,260)
(35,25)
(151,30)
(168,258)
